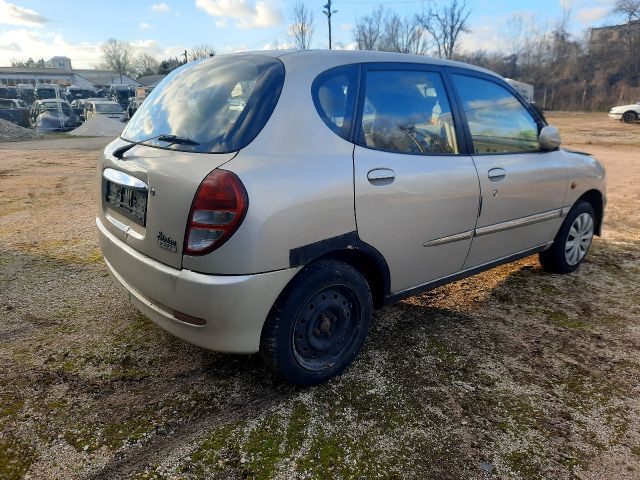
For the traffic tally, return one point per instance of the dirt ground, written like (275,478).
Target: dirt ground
(514,373)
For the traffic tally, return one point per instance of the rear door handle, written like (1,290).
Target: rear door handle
(497,174)
(381,176)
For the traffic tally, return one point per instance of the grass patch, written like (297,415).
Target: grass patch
(15,457)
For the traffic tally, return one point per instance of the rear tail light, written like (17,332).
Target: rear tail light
(218,209)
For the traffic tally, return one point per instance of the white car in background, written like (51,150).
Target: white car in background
(106,108)
(626,113)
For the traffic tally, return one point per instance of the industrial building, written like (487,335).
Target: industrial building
(58,70)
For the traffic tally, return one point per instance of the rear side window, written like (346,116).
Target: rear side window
(220,104)
(498,122)
(334,95)
(407,112)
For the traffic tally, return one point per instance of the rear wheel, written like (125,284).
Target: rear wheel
(629,117)
(572,242)
(319,324)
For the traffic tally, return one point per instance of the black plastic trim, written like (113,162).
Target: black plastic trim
(306,254)
(392,298)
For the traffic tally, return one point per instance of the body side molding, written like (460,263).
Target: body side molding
(392,298)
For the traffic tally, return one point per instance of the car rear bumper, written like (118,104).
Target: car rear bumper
(615,116)
(233,307)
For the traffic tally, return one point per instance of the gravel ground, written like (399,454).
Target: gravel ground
(10,132)
(514,373)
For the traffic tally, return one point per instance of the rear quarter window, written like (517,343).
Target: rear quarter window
(334,96)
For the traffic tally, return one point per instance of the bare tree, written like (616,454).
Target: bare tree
(204,50)
(301,29)
(117,56)
(404,35)
(629,9)
(145,65)
(445,26)
(368,29)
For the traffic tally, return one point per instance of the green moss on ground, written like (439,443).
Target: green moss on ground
(16,457)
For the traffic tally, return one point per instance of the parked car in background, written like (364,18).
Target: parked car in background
(133,107)
(15,111)
(52,115)
(106,108)
(74,92)
(122,94)
(240,230)
(626,113)
(44,91)
(8,92)
(25,92)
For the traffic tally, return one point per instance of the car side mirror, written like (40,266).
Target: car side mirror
(549,138)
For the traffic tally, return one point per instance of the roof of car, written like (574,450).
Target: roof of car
(102,102)
(363,56)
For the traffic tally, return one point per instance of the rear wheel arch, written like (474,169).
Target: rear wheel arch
(351,250)
(371,265)
(596,200)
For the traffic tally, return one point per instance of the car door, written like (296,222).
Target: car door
(523,188)
(416,196)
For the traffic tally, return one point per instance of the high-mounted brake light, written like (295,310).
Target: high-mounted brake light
(218,209)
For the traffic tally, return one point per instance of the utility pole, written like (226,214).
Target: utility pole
(328,12)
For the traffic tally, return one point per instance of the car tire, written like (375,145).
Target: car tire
(629,117)
(572,241)
(319,323)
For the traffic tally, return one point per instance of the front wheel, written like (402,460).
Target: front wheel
(629,117)
(572,242)
(319,324)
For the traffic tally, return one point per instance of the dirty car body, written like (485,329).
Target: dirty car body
(283,195)
(15,111)
(52,115)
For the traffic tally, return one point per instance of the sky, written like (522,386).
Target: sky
(165,28)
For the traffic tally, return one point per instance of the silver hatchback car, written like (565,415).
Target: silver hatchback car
(269,201)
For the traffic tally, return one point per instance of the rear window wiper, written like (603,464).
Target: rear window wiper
(163,137)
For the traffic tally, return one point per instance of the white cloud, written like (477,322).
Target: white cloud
(145,44)
(346,27)
(348,46)
(12,14)
(44,45)
(593,14)
(221,23)
(12,47)
(248,14)
(145,26)
(160,7)
(483,36)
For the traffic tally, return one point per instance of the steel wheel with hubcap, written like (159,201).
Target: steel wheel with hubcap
(579,239)
(318,324)
(572,241)
(629,117)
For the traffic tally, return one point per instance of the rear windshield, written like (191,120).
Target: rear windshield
(108,108)
(220,103)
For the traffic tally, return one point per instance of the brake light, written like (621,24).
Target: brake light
(218,209)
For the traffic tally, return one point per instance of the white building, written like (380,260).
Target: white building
(58,62)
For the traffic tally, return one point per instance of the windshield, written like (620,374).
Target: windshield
(221,103)
(108,108)
(46,92)
(53,108)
